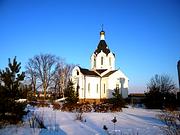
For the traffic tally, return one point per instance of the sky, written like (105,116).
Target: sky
(144,34)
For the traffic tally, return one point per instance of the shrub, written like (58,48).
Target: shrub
(116,101)
(161,93)
(79,116)
(56,106)
(172,121)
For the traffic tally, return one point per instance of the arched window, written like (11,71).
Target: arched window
(95,62)
(109,61)
(104,88)
(89,88)
(117,88)
(77,72)
(101,60)
(97,88)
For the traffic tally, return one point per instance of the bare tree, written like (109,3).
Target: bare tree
(31,75)
(57,79)
(62,76)
(161,92)
(161,83)
(42,67)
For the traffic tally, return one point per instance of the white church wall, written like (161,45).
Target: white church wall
(119,74)
(114,79)
(111,64)
(104,87)
(78,79)
(81,86)
(98,61)
(108,61)
(92,93)
(93,65)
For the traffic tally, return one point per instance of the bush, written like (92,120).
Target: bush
(117,101)
(161,93)
(56,106)
(79,116)
(172,121)
(36,121)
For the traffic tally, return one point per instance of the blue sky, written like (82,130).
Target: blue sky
(144,34)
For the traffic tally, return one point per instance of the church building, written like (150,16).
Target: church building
(100,81)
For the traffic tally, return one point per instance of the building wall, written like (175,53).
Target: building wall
(83,81)
(93,92)
(104,88)
(99,88)
(106,61)
(114,80)
(112,85)
(78,80)
(93,57)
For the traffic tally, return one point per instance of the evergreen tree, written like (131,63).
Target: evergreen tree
(10,91)
(70,93)
(117,101)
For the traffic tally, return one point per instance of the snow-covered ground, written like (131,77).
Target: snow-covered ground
(131,121)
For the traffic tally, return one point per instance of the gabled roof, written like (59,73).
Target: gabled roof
(102,46)
(88,72)
(96,73)
(100,71)
(109,73)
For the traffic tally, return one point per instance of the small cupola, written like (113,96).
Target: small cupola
(102,35)
(102,46)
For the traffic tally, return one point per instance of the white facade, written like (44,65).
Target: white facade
(100,81)
(103,61)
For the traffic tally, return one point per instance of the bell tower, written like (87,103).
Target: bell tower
(102,58)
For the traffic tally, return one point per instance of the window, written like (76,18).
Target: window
(101,60)
(88,87)
(117,86)
(77,73)
(109,61)
(104,88)
(94,62)
(97,88)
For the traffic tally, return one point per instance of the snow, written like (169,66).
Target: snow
(21,100)
(61,99)
(129,122)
